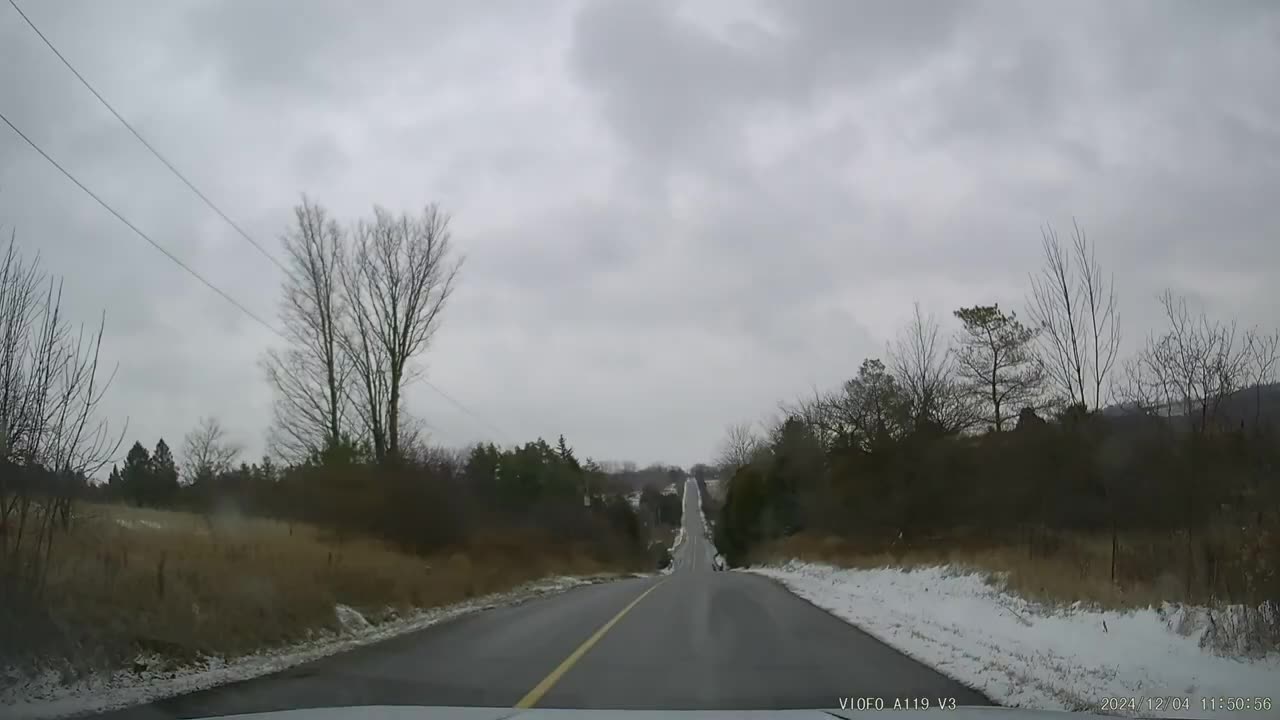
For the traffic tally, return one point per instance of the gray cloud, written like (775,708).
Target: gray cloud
(675,214)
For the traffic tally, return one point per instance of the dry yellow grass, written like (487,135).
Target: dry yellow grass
(182,584)
(1067,567)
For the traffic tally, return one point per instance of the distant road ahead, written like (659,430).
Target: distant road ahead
(694,639)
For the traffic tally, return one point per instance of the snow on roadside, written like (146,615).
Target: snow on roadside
(675,543)
(1024,655)
(350,619)
(46,696)
(671,566)
(706,527)
(717,560)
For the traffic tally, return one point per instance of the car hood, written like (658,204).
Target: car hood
(401,712)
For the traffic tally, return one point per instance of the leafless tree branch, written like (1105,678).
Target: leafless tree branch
(206,452)
(1074,310)
(310,376)
(401,276)
(925,371)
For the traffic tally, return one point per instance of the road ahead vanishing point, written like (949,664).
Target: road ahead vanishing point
(693,639)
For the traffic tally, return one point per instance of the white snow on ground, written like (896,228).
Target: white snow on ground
(718,560)
(634,499)
(135,524)
(670,489)
(46,696)
(350,619)
(671,566)
(1021,654)
(706,527)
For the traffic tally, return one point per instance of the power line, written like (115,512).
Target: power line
(191,186)
(204,281)
(464,408)
(144,142)
(190,271)
(138,232)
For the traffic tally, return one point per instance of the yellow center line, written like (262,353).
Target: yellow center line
(533,696)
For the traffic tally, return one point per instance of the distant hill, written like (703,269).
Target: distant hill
(1259,405)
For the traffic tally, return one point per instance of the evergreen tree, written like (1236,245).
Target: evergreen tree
(266,471)
(115,485)
(164,474)
(135,476)
(998,362)
(566,454)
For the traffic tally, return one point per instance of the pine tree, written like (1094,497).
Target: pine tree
(135,476)
(115,485)
(164,474)
(997,360)
(266,470)
(566,454)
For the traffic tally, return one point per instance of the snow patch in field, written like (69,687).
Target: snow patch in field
(135,524)
(153,678)
(634,499)
(1026,655)
(350,620)
(679,539)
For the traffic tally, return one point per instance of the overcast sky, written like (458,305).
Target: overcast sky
(675,214)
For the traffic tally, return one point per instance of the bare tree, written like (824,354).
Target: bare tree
(51,440)
(369,384)
(926,375)
(738,447)
(206,451)
(1073,308)
(995,359)
(1146,385)
(310,376)
(1263,354)
(818,412)
(1186,374)
(398,282)
(1208,362)
(1189,370)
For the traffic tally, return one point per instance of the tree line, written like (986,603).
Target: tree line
(429,499)
(360,305)
(1030,433)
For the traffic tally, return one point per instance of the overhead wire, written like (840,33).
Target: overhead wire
(202,279)
(191,186)
(190,271)
(496,430)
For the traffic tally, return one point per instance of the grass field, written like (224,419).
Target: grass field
(125,580)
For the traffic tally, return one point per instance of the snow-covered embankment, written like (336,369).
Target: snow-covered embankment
(1021,654)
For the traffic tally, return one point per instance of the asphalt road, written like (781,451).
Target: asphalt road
(694,639)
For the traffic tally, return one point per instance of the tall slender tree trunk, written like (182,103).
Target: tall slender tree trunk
(393,415)
(1115,544)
